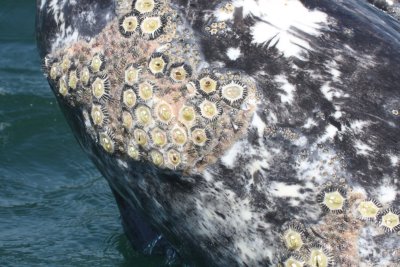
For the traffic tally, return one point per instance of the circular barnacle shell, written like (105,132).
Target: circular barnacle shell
(131,75)
(293,236)
(292,260)
(129,97)
(65,64)
(199,136)
(187,115)
(145,90)
(157,158)
(319,256)
(207,84)
(97,63)
(143,115)
(100,87)
(179,72)
(144,6)
(389,220)
(178,135)
(159,137)
(85,75)
(233,93)
(107,141)
(174,158)
(73,79)
(152,26)
(98,115)
(55,71)
(332,199)
(140,137)
(157,64)
(128,24)
(209,110)
(163,112)
(62,86)
(127,120)
(368,209)
(133,150)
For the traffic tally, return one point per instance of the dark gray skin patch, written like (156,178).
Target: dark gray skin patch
(221,216)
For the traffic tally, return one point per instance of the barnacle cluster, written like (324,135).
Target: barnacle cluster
(148,95)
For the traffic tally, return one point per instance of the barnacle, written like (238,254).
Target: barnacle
(129,98)
(107,142)
(62,87)
(178,135)
(208,84)
(145,91)
(320,257)
(209,110)
(128,24)
(293,262)
(164,112)
(199,136)
(73,79)
(65,64)
(187,114)
(233,92)
(389,220)
(98,115)
(157,158)
(144,6)
(368,209)
(100,87)
(55,71)
(332,199)
(174,157)
(180,72)
(131,75)
(158,137)
(151,26)
(85,75)
(127,120)
(97,63)
(140,137)
(133,151)
(293,236)
(157,64)
(143,115)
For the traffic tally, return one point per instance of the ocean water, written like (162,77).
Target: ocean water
(55,207)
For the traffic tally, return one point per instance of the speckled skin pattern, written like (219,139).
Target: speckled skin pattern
(248,133)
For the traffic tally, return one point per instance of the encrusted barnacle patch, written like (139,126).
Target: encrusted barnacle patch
(85,75)
(233,93)
(98,115)
(73,79)
(127,120)
(178,136)
(97,63)
(107,141)
(157,158)
(209,110)
(207,84)
(100,87)
(132,75)
(179,72)
(128,24)
(332,199)
(146,90)
(200,136)
(143,115)
(294,236)
(368,209)
(389,220)
(140,137)
(129,97)
(62,86)
(152,26)
(159,137)
(163,112)
(157,64)
(144,6)
(319,256)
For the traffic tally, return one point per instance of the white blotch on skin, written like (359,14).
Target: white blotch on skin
(330,133)
(233,53)
(287,87)
(310,123)
(278,20)
(279,189)
(394,160)
(258,124)
(362,148)
(230,156)
(386,194)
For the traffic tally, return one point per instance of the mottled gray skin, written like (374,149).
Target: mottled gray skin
(339,126)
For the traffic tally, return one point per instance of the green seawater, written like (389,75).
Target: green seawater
(55,207)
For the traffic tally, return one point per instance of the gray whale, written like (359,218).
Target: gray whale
(247,133)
